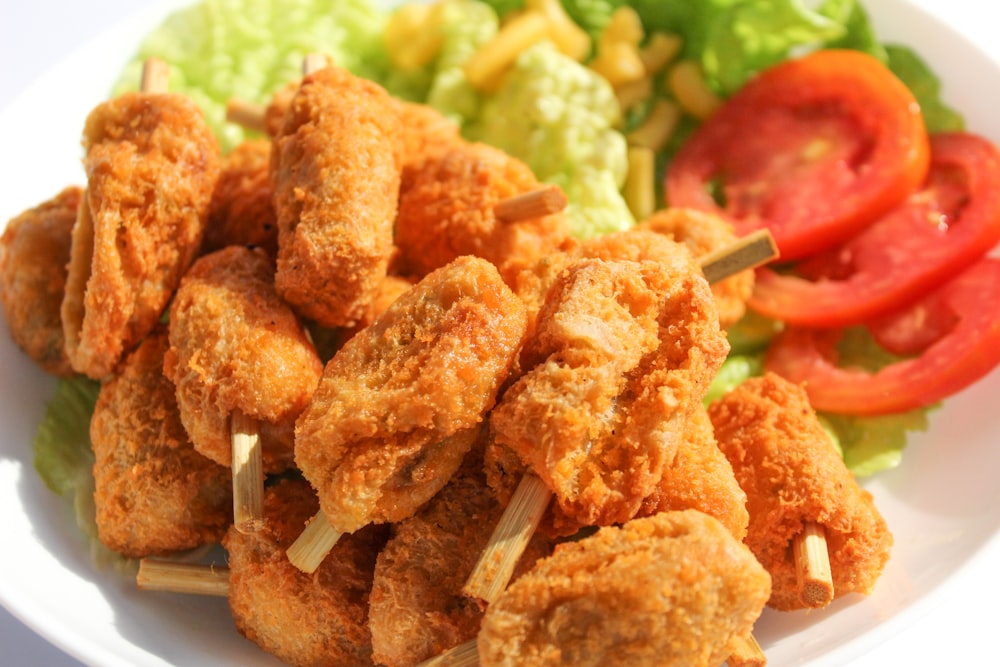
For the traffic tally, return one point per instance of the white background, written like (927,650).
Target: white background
(37,34)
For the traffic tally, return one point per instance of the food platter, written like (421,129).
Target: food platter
(942,504)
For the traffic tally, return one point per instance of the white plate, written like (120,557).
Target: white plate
(943,504)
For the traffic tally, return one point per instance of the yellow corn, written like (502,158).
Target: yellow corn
(659,51)
(484,68)
(569,38)
(640,191)
(686,81)
(658,127)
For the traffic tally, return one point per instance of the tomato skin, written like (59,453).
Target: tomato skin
(944,227)
(959,357)
(813,148)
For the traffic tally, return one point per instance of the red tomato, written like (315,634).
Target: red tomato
(814,149)
(965,314)
(944,227)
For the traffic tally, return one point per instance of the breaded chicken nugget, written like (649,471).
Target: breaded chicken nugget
(417,606)
(704,233)
(621,350)
(242,211)
(426,132)
(335,174)
(154,493)
(701,478)
(34,252)
(306,620)
(447,210)
(235,345)
(401,403)
(151,164)
(793,475)
(673,589)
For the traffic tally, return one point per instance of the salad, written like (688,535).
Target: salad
(593,181)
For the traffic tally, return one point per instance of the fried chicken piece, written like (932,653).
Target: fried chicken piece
(426,133)
(335,174)
(620,352)
(235,345)
(306,620)
(704,233)
(34,252)
(274,113)
(447,210)
(401,403)
(151,164)
(154,493)
(242,211)
(673,589)
(701,478)
(793,475)
(417,606)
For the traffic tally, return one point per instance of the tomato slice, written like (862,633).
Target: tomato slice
(814,149)
(945,226)
(965,313)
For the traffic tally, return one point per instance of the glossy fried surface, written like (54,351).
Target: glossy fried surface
(335,174)
(703,233)
(306,620)
(235,345)
(426,132)
(417,606)
(401,403)
(151,164)
(242,212)
(446,210)
(34,252)
(701,478)
(620,352)
(154,493)
(673,589)
(793,474)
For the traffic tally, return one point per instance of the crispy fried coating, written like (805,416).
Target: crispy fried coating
(34,252)
(426,133)
(417,606)
(151,164)
(242,211)
(701,478)
(154,493)
(306,620)
(673,589)
(703,233)
(335,174)
(274,113)
(792,474)
(401,403)
(446,210)
(235,345)
(620,352)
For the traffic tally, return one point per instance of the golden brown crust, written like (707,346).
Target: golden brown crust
(306,620)
(446,210)
(793,474)
(703,233)
(242,212)
(668,590)
(401,402)
(701,478)
(235,345)
(335,175)
(34,252)
(151,164)
(418,609)
(620,352)
(154,493)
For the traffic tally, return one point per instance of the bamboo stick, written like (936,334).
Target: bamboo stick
(172,577)
(535,204)
(812,566)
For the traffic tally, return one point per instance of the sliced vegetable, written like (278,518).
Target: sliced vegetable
(965,315)
(814,149)
(944,227)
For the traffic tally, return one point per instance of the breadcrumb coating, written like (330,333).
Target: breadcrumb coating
(792,474)
(242,210)
(34,252)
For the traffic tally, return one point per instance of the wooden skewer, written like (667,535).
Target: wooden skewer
(463,655)
(248,473)
(313,544)
(535,204)
(315,62)
(172,577)
(812,566)
(155,74)
(246,114)
(750,251)
(746,652)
